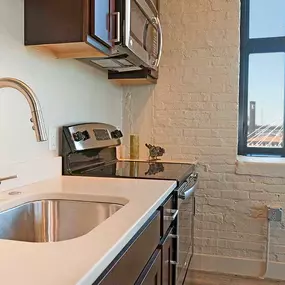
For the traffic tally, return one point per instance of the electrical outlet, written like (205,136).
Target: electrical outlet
(275,214)
(52,140)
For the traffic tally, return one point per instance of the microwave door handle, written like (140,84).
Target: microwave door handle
(160,41)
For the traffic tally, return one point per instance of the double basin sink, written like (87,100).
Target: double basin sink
(53,220)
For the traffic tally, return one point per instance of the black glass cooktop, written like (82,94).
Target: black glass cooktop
(141,169)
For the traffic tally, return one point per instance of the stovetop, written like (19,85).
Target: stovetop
(140,169)
(90,150)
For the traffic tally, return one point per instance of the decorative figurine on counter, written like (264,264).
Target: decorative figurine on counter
(155,151)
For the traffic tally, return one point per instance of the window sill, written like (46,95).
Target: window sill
(261,166)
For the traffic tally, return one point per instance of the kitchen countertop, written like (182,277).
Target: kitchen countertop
(83,259)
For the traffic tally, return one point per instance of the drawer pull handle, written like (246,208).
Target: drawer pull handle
(173,262)
(173,236)
(177,248)
(173,213)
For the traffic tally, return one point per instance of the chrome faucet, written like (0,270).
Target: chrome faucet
(37,117)
(8,178)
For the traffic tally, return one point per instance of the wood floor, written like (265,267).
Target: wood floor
(203,278)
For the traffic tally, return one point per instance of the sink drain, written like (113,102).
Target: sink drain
(15,193)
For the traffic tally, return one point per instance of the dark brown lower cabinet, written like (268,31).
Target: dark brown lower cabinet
(149,258)
(167,262)
(151,275)
(128,267)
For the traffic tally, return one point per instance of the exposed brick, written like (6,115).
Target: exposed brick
(195,117)
(265,196)
(230,236)
(241,245)
(215,218)
(197,133)
(224,97)
(221,202)
(236,195)
(209,193)
(222,168)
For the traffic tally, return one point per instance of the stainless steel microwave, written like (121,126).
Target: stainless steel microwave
(136,40)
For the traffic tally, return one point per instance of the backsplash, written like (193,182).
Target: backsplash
(69,91)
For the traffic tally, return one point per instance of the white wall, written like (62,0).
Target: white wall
(69,91)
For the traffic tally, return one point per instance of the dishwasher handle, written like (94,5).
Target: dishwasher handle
(189,187)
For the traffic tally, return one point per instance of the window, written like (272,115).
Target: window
(262,78)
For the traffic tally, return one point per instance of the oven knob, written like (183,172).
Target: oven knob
(86,135)
(81,136)
(78,136)
(116,134)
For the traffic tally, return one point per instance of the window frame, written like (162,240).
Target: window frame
(253,46)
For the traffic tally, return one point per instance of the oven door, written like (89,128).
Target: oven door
(186,239)
(142,33)
(186,226)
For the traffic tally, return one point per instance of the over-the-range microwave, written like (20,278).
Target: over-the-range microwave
(135,37)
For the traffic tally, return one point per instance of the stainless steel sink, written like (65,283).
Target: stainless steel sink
(53,220)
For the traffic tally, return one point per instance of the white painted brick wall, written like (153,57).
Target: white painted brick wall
(193,113)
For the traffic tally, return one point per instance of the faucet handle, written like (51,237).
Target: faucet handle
(8,178)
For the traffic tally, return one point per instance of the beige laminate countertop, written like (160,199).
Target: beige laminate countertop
(80,260)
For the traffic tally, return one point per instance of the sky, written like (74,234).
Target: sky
(267,71)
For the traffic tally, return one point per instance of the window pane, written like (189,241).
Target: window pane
(266,100)
(267,18)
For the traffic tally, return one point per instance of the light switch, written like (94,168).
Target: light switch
(52,138)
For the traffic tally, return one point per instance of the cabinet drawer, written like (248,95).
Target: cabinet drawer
(128,266)
(169,213)
(169,258)
(151,275)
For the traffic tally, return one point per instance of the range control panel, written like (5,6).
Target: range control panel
(102,135)
(93,135)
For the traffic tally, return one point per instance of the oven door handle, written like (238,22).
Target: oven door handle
(187,191)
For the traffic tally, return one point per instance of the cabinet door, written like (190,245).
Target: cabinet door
(169,212)
(151,274)
(131,262)
(168,263)
(102,20)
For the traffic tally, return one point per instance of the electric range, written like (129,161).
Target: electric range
(90,150)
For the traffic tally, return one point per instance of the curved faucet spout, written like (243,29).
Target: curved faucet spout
(37,117)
